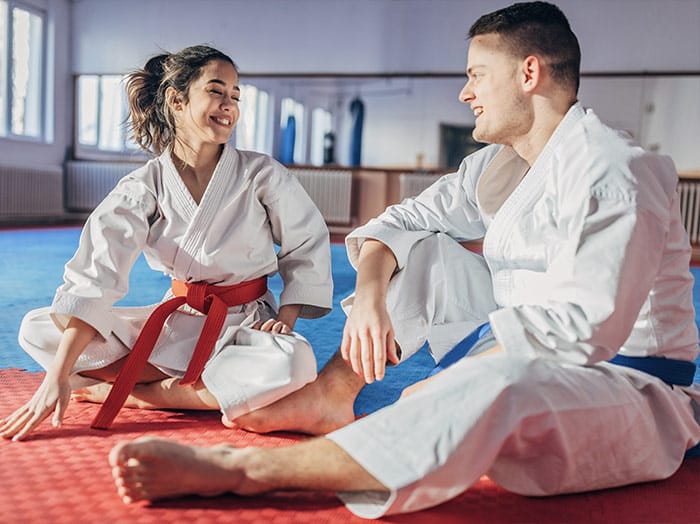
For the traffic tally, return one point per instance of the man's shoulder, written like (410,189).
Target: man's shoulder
(611,158)
(480,159)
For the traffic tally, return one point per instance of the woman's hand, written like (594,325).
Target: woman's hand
(273,325)
(52,397)
(54,392)
(284,323)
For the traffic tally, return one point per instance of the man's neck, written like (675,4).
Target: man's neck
(547,119)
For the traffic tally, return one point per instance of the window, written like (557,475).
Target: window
(253,127)
(321,124)
(291,107)
(102,111)
(22,57)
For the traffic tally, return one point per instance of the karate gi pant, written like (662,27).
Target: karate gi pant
(248,369)
(534,426)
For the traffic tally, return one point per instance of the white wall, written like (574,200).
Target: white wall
(377,36)
(388,36)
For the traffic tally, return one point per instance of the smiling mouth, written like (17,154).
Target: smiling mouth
(222,121)
(478,111)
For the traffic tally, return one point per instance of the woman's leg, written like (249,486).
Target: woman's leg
(154,390)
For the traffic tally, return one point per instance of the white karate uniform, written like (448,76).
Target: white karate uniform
(250,204)
(588,258)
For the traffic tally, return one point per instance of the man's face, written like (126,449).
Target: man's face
(493,92)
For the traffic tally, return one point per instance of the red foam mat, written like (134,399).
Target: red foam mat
(62,476)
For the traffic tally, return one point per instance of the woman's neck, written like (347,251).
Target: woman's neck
(196,166)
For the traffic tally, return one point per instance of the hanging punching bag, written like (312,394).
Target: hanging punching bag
(357,112)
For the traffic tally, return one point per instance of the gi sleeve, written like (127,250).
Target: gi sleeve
(448,206)
(304,258)
(111,240)
(600,276)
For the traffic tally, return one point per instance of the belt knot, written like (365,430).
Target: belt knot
(197,297)
(211,300)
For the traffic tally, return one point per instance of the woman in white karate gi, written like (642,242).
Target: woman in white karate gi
(209,216)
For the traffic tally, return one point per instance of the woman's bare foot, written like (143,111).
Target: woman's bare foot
(150,469)
(96,393)
(316,409)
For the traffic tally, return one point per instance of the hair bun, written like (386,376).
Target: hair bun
(155,67)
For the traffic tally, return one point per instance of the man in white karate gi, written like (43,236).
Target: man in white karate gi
(585,260)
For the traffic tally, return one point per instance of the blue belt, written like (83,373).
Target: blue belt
(673,372)
(463,347)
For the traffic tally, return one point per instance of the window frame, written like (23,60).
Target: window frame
(6,132)
(94,152)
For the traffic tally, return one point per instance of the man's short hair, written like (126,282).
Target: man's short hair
(540,29)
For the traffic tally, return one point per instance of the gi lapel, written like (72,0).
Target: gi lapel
(524,196)
(200,217)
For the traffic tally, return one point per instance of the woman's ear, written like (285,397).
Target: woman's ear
(173,99)
(531,70)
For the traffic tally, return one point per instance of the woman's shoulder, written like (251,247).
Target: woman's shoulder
(255,159)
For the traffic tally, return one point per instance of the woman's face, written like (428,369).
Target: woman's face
(212,110)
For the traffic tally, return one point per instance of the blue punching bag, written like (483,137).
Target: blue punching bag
(357,111)
(287,142)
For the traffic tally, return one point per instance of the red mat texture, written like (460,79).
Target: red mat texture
(62,476)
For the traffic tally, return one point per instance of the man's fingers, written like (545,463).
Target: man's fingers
(379,356)
(366,358)
(345,347)
(393,353)
(355,354)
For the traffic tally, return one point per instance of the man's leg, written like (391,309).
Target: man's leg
(322,406)
(148,469)
(423,306)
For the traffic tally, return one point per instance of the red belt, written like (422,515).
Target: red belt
(213,301)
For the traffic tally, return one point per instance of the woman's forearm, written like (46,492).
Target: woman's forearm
(75,338)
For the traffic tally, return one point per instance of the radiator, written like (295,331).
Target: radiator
(331,191)
(87,183)
(413,184)
(690,208)
(34,192)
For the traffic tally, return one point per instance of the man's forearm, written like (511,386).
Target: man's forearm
(375,268)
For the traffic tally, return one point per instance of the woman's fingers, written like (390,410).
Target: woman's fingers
(273,325)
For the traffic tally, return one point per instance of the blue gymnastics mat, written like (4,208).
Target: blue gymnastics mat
(31,268)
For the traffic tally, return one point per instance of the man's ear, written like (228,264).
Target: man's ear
(531,69)
(173,99)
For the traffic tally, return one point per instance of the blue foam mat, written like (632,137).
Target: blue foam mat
(31,268)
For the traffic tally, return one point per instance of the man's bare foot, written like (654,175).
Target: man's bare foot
(150,469)
(316,409)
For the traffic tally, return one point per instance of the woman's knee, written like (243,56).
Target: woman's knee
(37,331)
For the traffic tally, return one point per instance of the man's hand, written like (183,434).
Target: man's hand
(368,340)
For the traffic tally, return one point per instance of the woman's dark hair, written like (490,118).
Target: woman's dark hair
(536,28)
(150,119)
